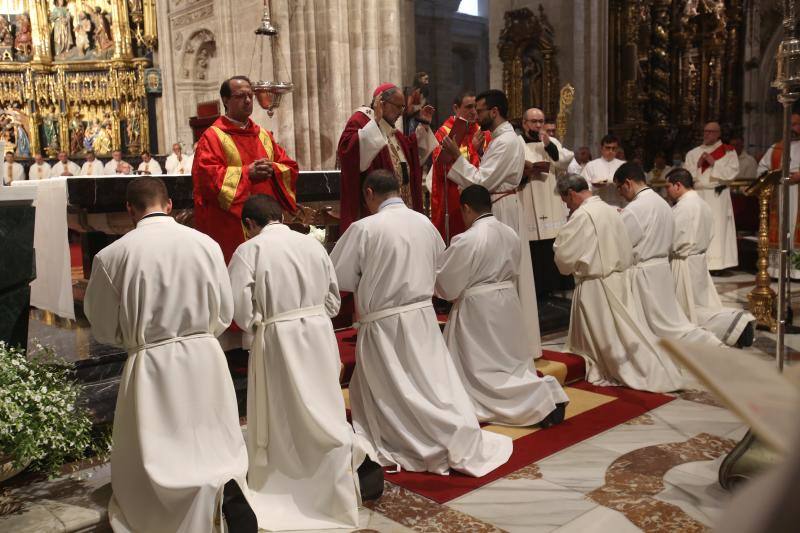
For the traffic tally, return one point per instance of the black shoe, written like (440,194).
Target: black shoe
(239,516)
(747,337)
(555,417)
(370,479)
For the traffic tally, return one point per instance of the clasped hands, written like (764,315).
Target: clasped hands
(260,170)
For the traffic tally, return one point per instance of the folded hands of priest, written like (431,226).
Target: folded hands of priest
(260,170)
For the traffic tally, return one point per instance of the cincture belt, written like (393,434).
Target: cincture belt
(295,314)
(497,196)
(652,261)
(172,340)
(384,313)
(491,287)
(685,257)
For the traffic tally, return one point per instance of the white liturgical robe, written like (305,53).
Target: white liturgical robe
(175,166)
(302,466)
(483,332)
(723,251)
(111,167)
(543,211)
(61,169)
(11,172)
(162,293)
(695,290)
(650,226)
(406,396)
(92,168)
(600,175)
(500,172)
(748,167)
(150,167)
(39,172)
(605,327)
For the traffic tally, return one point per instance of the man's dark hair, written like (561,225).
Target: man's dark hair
(610,139)
(477,197)
(225,88)
(571,182)
(382,182)
(682,176)
(262,209)
(146,191)
(629,171)
(459,99)
(145,152)
(495,98)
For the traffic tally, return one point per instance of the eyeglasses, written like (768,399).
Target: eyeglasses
(400,107)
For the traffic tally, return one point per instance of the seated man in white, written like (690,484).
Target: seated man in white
(149,165)
(92,166)
(483,330)
(11,170)
(405,395)
(64,167)
(177,162)
(650,226)
(605,327)
(40,169)
(697,296)
(111,167)
(303,453)
(162,294)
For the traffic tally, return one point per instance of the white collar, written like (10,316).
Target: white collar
(394,200)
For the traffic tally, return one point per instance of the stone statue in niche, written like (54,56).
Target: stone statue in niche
(23,42)
(61,21)
(201,64)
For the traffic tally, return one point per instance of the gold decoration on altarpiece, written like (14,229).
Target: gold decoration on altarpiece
(72,75)
(530,74)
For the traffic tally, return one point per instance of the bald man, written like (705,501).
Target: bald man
(713,165)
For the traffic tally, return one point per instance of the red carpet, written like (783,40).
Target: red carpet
(576,366)
(75,255)
(536,446)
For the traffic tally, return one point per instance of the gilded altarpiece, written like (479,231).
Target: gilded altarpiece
(673,66)
(530,74)
(72,75)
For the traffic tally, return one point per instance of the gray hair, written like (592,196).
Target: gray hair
(388,93)
(571,182)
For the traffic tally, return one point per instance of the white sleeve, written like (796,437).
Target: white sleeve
(101,304)
(499,161)
(631,221)
(426,141)
(764,164)
(726,168)
(333,300)
(243,282)
(454,269)
(370,142)
(346,258)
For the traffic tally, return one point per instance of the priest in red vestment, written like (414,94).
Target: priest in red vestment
(472,147)
(235,158)
(370,141)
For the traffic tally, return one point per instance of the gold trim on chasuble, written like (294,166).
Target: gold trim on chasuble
(233,174)
(285,172)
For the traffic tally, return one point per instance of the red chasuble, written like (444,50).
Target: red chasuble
(439,178)
(351,200)
(222,183)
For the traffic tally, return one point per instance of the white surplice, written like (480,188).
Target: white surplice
(748,167)
(374,137)
(59,169)
(765,165)
(39,172)
(723,251)
(162,293)
(575,168)
(174,166)
(302,463)
(650,226)
(605,326)
(151,166)
(500,172)
(483,331)
(111,167)
(406,397)
(543,211)
(600,175)
(92,168)
(695,290)
(11,172)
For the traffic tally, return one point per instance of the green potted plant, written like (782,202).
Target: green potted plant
(41,423)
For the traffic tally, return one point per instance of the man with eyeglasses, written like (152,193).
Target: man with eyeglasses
(371,141)
(235,158)
(712,165)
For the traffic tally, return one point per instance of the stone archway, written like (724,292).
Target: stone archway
(198,61)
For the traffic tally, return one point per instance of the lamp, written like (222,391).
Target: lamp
(269,93)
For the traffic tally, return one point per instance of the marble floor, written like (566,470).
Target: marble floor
(654,473)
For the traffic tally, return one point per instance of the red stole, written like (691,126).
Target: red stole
(439,179)
(222,182)
(717,154)
(775,164)
(352,206)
